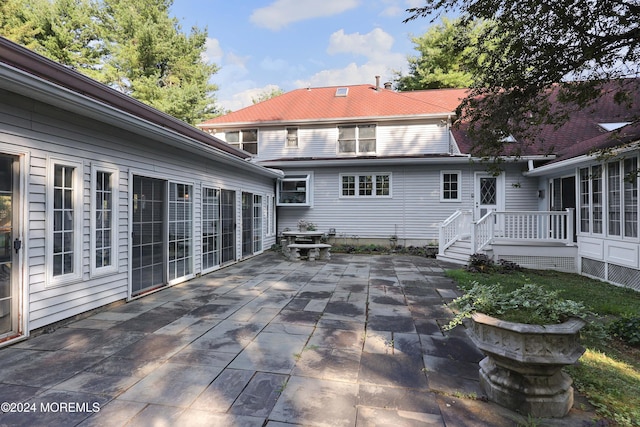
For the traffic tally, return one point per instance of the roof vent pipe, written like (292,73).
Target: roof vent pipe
(377,82)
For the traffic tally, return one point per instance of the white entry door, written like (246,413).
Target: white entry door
(489,194)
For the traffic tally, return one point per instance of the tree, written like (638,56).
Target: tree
(533,46)
(267,94)
(131,45)
(446,57)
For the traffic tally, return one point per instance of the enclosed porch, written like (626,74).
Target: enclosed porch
(531,239)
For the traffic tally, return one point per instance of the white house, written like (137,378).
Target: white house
(368,163)
(104,199)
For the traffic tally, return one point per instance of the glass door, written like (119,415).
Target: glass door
(486,194)
(8,255)
(228,225)
(210,228)
(247,224)
(148,246)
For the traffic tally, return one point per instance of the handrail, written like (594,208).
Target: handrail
(452,229)
(483,231)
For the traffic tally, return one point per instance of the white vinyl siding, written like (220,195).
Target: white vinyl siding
(48,136)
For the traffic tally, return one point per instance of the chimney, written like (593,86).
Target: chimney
(387,85)
(377,82)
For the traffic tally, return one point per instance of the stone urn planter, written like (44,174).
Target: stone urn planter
(522,369)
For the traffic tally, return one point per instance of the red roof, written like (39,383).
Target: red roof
(582,131)
(361,101)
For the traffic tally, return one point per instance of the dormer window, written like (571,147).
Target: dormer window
(357,139)
(610,127)
(292,138)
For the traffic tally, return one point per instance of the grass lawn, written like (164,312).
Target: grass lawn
(608,374)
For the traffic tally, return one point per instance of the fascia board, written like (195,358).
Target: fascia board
(25,84)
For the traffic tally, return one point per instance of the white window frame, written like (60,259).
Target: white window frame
(95,168)
(241,143)
(269,215)
(357,138)
(293,177)
(77,218)
(458,198)
(374,189)
(192,219)
(291,140)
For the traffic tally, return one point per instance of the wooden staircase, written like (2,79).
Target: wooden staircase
(458,253)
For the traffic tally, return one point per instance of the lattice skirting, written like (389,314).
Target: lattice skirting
(543,262)
(625,276)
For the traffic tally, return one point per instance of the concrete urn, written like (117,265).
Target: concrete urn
(522,369)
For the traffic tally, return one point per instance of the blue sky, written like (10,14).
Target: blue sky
(263,44)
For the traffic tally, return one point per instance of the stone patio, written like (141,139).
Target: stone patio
(351,341)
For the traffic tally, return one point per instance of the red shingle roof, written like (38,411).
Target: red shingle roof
(582,132)
(362,101)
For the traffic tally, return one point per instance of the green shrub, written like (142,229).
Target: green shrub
(627,328)
(529,303)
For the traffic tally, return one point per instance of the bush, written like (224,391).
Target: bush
(480,263)
(530,304)
(627,328)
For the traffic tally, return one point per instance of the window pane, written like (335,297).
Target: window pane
(367,131)
(251,147)
(584,200)
(631,197)
(348,185)
(292,137)
(232,136)
(250,135)
(347,146)
(347,132)
(63,220)
(596,198)
(614,198)
(382,185)
(367,146)
(365,185)
(104,226)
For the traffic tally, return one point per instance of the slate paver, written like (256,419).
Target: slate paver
(354,341)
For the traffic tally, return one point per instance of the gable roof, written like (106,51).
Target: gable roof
(361,102)
(582,132)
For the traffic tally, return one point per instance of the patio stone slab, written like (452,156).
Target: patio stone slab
(156,415)
(88,382)
(329,363)
(307,401)
(260,395)
(172,384)
(389,370)
(228,336)
(120,366)
(391,323)
(270,352)
(153,347)
(452,347)
(223,391)
(194,356)
(373,417)
(114,413)
(198,418)
(405,399)
(337,338)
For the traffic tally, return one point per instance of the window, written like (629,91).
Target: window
(365,185)
(631,197)
(450,185)
(65,232)
(257,223)
(613,203)
(246,139)
(103,216)
(210,228)
(292,138)
(294,190)
(620,184)
(270,216)
(180,230)
(359,139)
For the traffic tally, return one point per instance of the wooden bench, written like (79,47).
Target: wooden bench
(312,251)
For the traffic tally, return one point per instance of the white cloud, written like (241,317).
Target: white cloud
(213,51)
(284,12)
(374,44)
(244,98)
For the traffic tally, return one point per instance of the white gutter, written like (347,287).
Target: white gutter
(25,84)
(230,125)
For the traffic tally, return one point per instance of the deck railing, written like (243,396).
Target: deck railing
(457,226)
(514,226)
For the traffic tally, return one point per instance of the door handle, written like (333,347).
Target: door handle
(17,244)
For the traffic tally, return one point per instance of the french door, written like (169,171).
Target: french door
(9,245)
(148,240)
(228,225)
